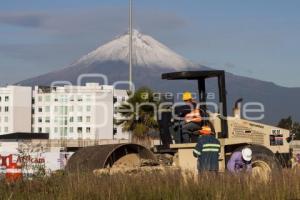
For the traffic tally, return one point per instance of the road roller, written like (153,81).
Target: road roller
(269,144)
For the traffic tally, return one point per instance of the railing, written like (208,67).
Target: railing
(147,142)
(76,143)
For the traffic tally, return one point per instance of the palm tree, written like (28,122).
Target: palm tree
(139,113)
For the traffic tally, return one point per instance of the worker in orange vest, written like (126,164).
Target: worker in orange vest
(192,120)
(207,151)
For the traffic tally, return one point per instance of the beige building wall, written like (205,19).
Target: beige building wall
(15,109)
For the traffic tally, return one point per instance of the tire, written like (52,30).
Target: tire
(262,154)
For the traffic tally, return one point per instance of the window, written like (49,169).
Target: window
(40,109)
(88,108)
(71,108)
(0,99)
(71,119)
(6,109)
(56,109)
(32,111)
(61,121)
(47,98)
(40,98)
(79,108)
(88,98)
(40,120)
(47,130)
(64,98)
(88,129)
(47,109)
(6,119)
(79,98)
(55,130)
(6,129)
(40,130)
(276,140)
(61,130)
(6,99)
(47,120)
(66,110)
(79,119)
(71,129)
(61,110)
(79,130)
(88,119)
(0,109)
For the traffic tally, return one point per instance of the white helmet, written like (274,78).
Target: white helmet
(247,154)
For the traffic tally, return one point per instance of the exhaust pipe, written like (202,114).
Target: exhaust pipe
(237,108)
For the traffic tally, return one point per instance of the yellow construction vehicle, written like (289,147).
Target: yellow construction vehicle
(269,145)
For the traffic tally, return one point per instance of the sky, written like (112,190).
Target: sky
(258,39)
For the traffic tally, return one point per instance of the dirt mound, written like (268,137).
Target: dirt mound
(133,170)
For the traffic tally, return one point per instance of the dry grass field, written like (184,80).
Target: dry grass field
(155,185)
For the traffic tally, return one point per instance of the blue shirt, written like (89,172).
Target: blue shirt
(207,151)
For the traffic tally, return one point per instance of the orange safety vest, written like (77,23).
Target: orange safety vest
(193,116)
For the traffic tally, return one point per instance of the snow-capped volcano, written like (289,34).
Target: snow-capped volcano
(151,59)
(147,52)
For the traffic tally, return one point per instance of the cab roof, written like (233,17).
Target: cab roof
(193,75)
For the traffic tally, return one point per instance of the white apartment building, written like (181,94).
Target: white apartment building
(15,109)
(76,112)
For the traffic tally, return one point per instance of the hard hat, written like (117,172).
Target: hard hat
(205,130)
(247,154)
(187,96)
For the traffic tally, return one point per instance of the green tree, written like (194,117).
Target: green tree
(139,113)
(288,123)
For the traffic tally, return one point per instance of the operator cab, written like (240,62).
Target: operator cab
(201,77)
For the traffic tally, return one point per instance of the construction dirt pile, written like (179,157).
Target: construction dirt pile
(132,164)
(133,170)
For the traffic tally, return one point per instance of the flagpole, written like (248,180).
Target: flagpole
(130,44)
